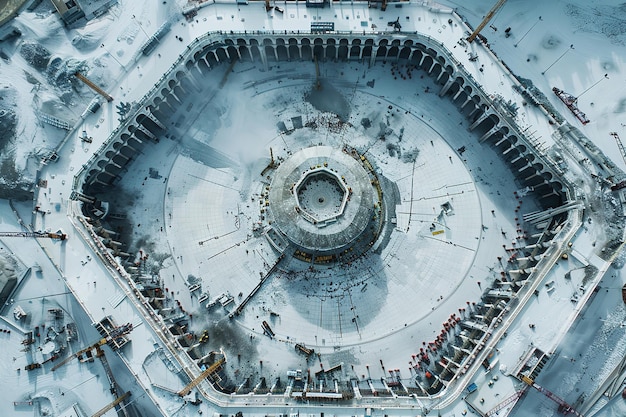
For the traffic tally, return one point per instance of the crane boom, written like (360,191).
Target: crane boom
(620,145)
(58,235)
(507,401)
(106,408)
(486,20)
(208,371)
(564,407)
(115,333)
(94,87)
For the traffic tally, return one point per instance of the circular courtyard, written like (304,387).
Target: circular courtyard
(354,240)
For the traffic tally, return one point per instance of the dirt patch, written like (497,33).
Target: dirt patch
(328,99)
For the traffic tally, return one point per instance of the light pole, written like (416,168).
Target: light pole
(606,76)
(527,32)
(140,26)
(558,59)
(113,56)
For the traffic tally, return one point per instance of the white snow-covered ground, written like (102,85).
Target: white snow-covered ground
(595,29)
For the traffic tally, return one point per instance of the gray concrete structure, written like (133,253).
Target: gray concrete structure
(322,200)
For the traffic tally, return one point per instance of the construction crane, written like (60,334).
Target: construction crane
(58,235)
(486,20)
(507,401)
(106,408)
(205,374)
(620,145)
(271,165)
(93,86)
(114,334)
(564,407)
(115,388)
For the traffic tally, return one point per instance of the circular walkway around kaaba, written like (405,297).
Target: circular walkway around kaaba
(321,199)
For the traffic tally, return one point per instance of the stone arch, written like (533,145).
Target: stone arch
(331,51)
(355,51)
(254,42)
(520,146)
(181,75)
(538,166)
(241,41)
(427,63)
(383,42)
(487,124)
(268,42)
(307,53)
(155,112)
(111,169)
(503,145)
(435,70)
(393,52)
(169,97)
(318,51)
(281,52)
(127,151)
(244,53)
(163,107)
(293,41)
(294,51)
(444,76)
(192,67)
(255,53)
(179,91)
(454,88)
(280,41)
(119,160)
(342,53)
(211,59)
(381,52)
(473,108)
(367,51)
(269,53)
(404,53)
(222,56)
(431,52)
(233,53)
(203,67)
(149,124)
(92,173)
(416,57)
(198,55)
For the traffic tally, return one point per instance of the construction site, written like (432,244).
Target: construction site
(350,209)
